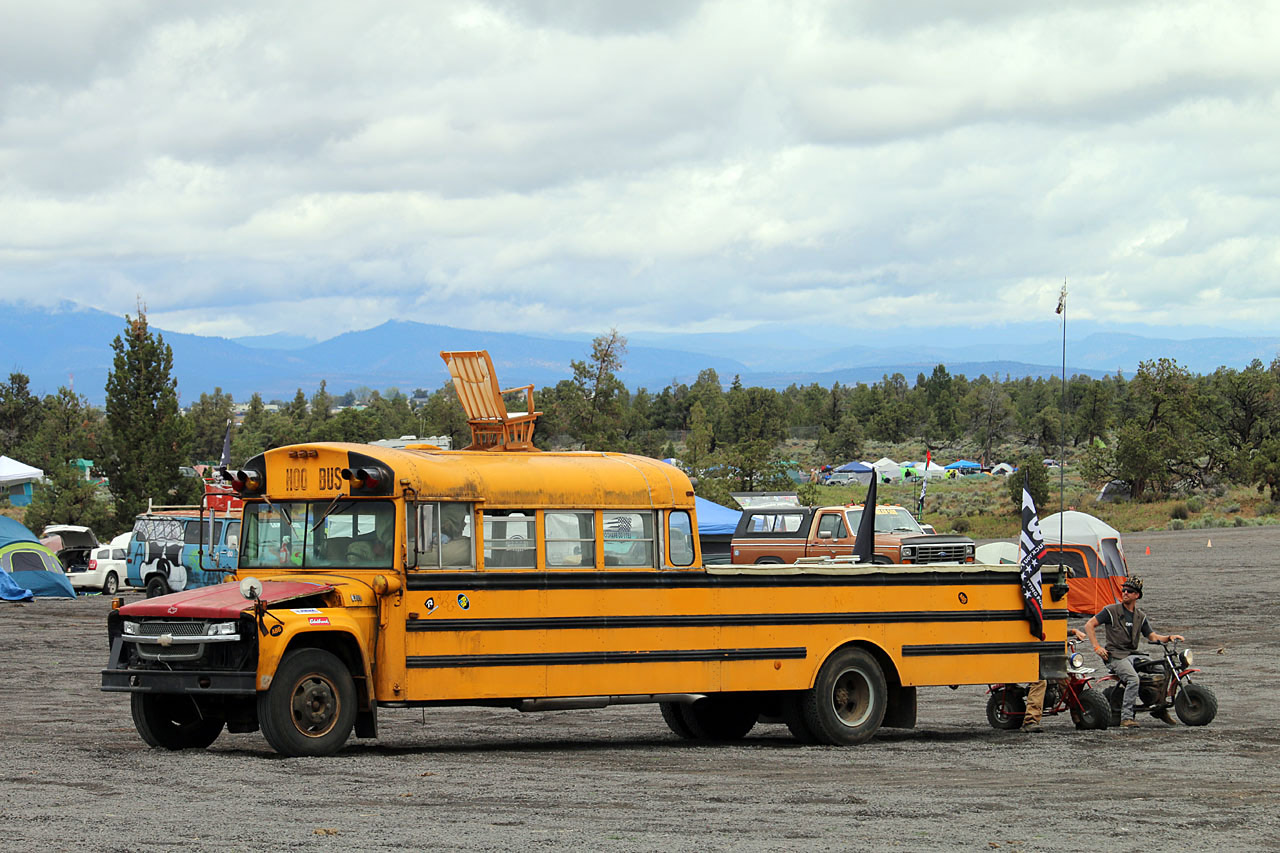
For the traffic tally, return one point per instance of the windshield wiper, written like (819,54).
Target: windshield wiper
(329,509)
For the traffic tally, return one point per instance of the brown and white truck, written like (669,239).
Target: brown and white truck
(784,534)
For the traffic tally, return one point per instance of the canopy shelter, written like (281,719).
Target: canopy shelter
(1093,555)
(716,525)
(887,471)
(861,471)
(16,479)
(963,465)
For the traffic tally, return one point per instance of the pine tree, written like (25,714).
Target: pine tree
(144,445)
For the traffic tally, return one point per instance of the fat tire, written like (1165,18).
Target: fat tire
(1095,711)
(173,721)
(157,586)
(675,720)
(1006,708)
(848,699)
(1196,705)
(111,584)
(310,707)
(1114,696)
(722,717)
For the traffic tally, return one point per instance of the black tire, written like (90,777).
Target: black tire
(847,701)
(169,721)
(1196,705)
(157,586)
(769,561)
(675,720)
(1006,707)
(310,707)
(1095,711)
(111,584)
(720,718)
(1114,696)
(793,716)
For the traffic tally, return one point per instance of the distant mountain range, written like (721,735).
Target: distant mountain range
(72,346)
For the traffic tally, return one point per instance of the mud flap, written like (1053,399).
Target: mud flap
(900,713)
(367,722)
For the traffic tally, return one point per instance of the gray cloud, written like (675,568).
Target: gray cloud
(553,167)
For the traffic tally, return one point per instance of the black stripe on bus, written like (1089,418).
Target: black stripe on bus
(596,658)
(980,649)
(534,580)
(570,623)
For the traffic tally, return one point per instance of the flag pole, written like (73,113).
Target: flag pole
(1062,445)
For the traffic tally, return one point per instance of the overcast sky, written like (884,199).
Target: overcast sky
(247,168)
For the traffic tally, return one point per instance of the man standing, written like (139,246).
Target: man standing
(1124,624)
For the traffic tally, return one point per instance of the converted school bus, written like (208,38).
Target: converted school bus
(374,578)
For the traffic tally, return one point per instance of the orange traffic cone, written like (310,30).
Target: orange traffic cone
(1148,550)
(1210,545)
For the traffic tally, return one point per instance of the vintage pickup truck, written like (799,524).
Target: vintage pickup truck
(784,534)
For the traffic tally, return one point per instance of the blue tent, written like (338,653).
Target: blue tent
(29,567)
(962,464)
(715,519)
(855,468)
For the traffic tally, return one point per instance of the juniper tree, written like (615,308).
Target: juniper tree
(145,430)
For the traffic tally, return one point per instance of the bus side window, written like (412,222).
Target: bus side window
(509,539)
(680,534)
(570,539)
(628,539)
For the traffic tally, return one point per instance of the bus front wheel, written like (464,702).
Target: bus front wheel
(310,707)
(169,721)
(847,702)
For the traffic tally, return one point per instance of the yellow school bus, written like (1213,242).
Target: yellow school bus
(373,578)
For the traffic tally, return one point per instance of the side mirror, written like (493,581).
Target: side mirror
(251,588)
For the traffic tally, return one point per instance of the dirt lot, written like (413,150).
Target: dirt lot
(76,775)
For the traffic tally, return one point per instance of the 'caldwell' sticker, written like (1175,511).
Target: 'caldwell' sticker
(303,611)
(463,601)
(318,620)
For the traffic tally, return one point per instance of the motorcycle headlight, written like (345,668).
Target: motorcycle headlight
(1187,657)
(1076,660)
(131,628)
(218,629)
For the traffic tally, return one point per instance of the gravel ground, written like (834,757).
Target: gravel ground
(75,774)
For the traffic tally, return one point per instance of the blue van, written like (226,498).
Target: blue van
(181,548)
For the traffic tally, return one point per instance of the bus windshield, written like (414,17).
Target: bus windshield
(319,534)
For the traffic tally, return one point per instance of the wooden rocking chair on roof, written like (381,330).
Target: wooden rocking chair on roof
(492,426)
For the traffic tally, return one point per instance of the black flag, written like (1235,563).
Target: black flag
(864,546)
(1030,555)
(226,447)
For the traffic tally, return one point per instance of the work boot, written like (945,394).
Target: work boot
(1162,714)
(1128,723)
(1032,727)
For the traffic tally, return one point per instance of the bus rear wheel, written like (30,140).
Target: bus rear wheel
(847,702)
(310,707)
(157,586)
(724,717)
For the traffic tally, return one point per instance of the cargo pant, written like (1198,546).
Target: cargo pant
(1128,676)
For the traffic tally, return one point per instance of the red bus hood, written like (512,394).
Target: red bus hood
(221,601)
